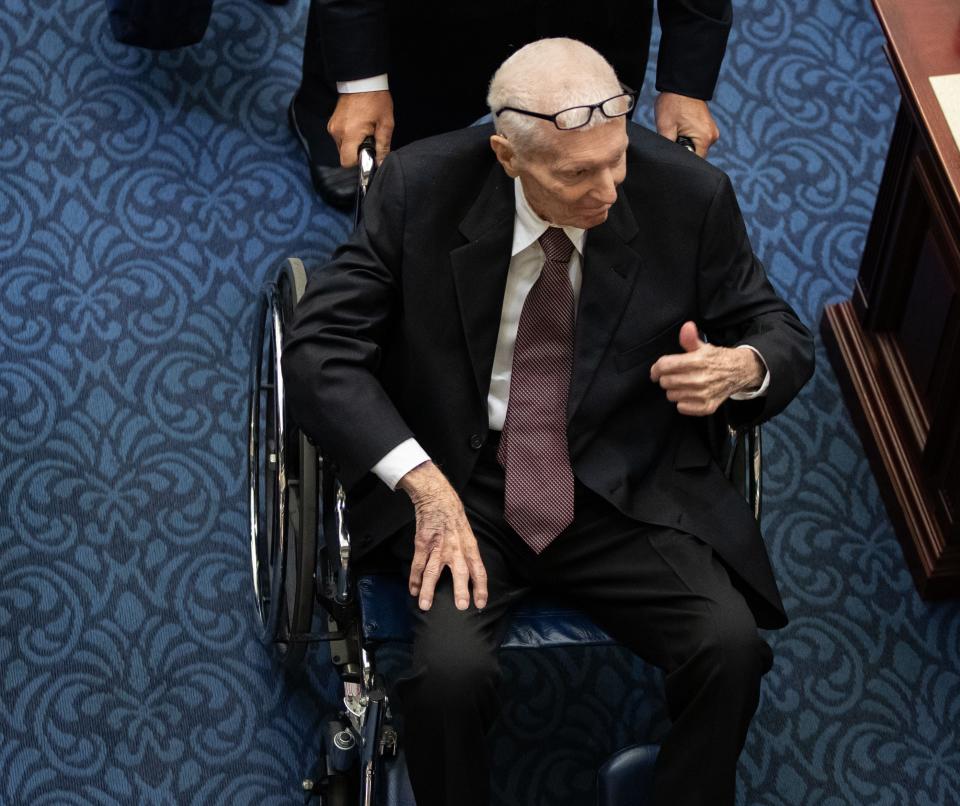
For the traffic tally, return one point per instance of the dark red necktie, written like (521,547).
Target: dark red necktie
(538,487)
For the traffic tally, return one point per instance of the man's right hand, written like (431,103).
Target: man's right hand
(444,539)
(677,115)
(358,114)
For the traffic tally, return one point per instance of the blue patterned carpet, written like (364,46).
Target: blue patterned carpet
(143,198)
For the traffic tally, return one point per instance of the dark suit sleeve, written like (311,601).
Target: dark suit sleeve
(333,349)
(739,306)
(353,38)
(693,41)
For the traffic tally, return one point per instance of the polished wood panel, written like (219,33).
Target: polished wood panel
(896,344)
(923,40)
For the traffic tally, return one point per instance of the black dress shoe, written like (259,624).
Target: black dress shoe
(336,185)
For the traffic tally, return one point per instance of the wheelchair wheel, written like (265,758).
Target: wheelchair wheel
(283,489)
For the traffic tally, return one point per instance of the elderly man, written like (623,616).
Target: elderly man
(506,362)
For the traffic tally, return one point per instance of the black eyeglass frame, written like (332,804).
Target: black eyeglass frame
(592,107)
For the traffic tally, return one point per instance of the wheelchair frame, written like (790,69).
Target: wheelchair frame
(300,545)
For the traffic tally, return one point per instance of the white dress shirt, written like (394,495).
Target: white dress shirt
(526,263)
(372,84)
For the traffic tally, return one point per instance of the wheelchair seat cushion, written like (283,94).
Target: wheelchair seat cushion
(538,622)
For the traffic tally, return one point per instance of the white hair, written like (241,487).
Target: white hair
(546,76)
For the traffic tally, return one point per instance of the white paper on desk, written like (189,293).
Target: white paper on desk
(947,90)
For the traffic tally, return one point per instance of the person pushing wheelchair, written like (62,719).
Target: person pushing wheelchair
(507,361)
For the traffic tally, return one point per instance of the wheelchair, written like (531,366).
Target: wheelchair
(306,589)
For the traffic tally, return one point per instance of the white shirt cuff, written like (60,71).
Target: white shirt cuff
(401,460)
(372,84)
(766,378)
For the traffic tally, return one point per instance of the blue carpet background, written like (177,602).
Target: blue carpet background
(143,199)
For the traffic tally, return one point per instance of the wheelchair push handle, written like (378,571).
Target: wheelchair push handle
(687,143)
(367,162)
(366,167)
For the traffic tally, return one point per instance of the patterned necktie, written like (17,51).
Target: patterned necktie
(538,486)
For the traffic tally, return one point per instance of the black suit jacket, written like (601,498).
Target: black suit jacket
(395,338)
(441,54)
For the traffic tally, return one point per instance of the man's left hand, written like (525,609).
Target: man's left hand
(678,115)
(356,115)
(700,378)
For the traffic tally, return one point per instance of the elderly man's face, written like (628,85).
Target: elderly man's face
(573,182)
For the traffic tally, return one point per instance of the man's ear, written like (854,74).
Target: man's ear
(506,156)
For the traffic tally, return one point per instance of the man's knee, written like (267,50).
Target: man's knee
(452,669)
(459,661)
(729,648)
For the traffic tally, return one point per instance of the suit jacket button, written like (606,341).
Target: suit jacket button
(476,442)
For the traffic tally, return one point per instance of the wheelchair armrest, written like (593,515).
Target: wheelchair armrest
(334,537)
(627,775)
(334,571)
(738,451)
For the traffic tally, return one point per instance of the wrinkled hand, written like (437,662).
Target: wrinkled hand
(699,379)
(680,115)
(444,539)
(358,114)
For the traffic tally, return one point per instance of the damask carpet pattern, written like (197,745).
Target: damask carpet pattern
(143,199)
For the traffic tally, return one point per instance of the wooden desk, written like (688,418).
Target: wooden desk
(895,345)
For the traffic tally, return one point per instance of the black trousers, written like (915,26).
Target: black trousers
(660,592)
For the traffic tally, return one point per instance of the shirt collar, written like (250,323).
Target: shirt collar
(528,226)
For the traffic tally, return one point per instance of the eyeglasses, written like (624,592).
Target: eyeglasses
(577,116)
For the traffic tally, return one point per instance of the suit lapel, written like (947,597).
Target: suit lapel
(610,268)
(480,270)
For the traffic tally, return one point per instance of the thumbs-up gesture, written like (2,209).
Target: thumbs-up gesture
(700,378)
